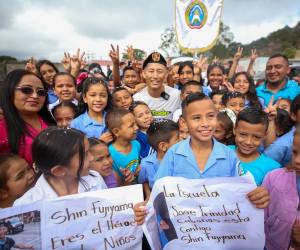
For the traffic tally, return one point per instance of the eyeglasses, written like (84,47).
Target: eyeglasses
(26,90)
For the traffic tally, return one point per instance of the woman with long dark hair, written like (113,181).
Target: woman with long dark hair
(24,102)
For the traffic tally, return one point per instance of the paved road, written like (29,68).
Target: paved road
(30,235)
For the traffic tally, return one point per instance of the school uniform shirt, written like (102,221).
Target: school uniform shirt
(149,167)
(129,161)
(24,143)
(43,190)
(259,167)
(52,97)
(281,149)
(180,161)
(110,181)
(289,91)
(146,149)
(160,107)
(282,211)
(7,243)
(89,126)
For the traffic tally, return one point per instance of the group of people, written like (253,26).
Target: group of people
(75,131)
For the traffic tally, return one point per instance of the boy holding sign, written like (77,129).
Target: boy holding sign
(201,156)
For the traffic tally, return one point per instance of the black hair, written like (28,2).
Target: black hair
(82,106)
(64,74)
(136,104)
(253,115)
(95,141)
(283,122)
(218,92)
(117,89)
(251,94)
(63,104)
(228,127)
(183,64)
(16,126)
(128,68)
(98,66)
(40,63)
(213,66)
(56,146)
(229,95)
(161,131)
(191,83)
(192,98)
(114,117)
(279,55)
(295,107)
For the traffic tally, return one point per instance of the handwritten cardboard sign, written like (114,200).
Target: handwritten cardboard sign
(204,214)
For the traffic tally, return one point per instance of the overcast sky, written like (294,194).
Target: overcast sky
(45,29)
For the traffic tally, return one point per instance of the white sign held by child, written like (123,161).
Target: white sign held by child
(207,214)
(94,220)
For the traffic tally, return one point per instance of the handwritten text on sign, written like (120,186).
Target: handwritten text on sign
(95,220)
(211,214)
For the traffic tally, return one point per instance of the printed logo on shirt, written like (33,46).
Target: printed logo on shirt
(160,113)
(132,163)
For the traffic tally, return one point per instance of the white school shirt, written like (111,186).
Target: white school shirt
(42,189)
(53,105)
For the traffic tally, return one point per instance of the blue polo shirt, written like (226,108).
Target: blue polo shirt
(281,149)
(259,167)
(149,167)
(289,91)
(180,161)
(146,149)
(89,126)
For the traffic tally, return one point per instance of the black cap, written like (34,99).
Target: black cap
(155,57)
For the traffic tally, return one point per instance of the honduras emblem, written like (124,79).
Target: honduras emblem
(196,15)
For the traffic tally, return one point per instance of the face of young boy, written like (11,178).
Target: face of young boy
(248,137)
(201,120)
(190,90)
(128,130)
(130,78)
(102,160)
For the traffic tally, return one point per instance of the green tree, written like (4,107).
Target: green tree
(6,59)
(138,54)
(290,52)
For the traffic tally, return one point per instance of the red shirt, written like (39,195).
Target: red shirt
(25,145)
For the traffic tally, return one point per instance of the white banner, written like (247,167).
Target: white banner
(98,220)
(197,23)
(204,214)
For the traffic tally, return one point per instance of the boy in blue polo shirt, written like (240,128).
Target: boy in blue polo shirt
(250,130)
(162,134)
(200,156)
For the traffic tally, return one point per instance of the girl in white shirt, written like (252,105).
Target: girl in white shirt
(62,157)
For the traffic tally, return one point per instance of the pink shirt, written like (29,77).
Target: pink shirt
(25,146)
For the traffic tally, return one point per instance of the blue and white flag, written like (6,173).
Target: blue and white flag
(197,24)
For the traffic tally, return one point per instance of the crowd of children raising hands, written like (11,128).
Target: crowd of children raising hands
(80,130)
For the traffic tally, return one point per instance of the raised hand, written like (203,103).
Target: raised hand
(106,137)
(229,86)
(238,54)
(66,62)
(198,65)
(253,55)
(271,109)
(215,60)
(30,65)
(114,54)
(76,61)
(130,53)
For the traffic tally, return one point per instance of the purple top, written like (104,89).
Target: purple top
(282,211)
(111,181)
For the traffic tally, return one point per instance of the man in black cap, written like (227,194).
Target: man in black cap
(161,99)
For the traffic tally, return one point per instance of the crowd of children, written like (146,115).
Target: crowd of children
(77,131)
